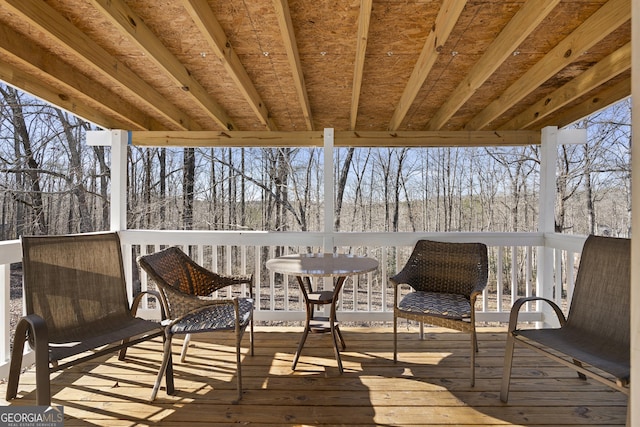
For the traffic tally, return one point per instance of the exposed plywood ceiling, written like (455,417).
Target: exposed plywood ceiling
(356,65)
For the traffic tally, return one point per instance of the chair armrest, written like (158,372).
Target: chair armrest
(397,281)
(401,277)
(515,310)
(221,281)
(479,288)
(35,327)
(472,298)
(138,299)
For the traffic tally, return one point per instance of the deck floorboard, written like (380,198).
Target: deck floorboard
(429,386)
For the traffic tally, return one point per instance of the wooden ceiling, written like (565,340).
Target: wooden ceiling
(301,65)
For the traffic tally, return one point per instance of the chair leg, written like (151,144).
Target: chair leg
(185,346)
(474,349)
(395,338)
(40,333)
(580,374)
(122,354)
(239,366)
(251,334)
(506,371)
(343,344)
(16,360)
(166,357)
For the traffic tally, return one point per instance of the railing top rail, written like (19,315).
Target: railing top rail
(10,251)
(274,238)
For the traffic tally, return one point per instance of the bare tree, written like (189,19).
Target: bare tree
(26,165)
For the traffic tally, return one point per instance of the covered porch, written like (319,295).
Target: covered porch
(162,97)
(429,385)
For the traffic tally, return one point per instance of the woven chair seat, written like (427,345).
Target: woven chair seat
(214,318)
(450,306)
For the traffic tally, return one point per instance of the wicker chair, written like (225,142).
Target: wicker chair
(596,331)
(186,290)
(447,278)
(77,308)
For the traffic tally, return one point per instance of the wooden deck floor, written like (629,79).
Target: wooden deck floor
(428,386)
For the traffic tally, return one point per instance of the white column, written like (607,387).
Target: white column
(634,399)
(329,210)
(328,203)
(119,141)
(546,219)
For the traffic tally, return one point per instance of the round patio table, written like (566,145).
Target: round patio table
(307,266)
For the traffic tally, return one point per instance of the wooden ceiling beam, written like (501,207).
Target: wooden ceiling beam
(214,34)
(25,81)
(594,103)
(70,90)
(46,19)
(445,21)
(523,23)
(289,40)
(364,20)
(603,22)
(341,139)
(128,24)
(611,66)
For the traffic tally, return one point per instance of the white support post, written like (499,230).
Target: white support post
(546,220)
(5,343)
(119,141)
(634,409)
(328,190)
(328,243)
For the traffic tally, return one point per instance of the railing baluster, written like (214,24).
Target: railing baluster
(528,276)
(499,279)
(514,274)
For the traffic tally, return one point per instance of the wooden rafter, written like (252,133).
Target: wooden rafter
(605,70)
(341,139)
(46,19)
(289,40)
(75,92)
(604,21)
(215,36)
(515,32)
(130,25)
(445,21)
(68,53)
(596,102)
(358,67)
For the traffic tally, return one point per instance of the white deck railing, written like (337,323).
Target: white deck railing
(365,298)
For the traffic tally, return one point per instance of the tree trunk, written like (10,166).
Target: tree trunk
(189,172)
(342,183)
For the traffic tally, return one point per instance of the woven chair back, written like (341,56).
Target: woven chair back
(453,268)
(603,280)
(75,282)
(172,267)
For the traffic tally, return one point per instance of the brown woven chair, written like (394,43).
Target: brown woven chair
(596,331)
(446,279)
(186,290)
(76,305)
